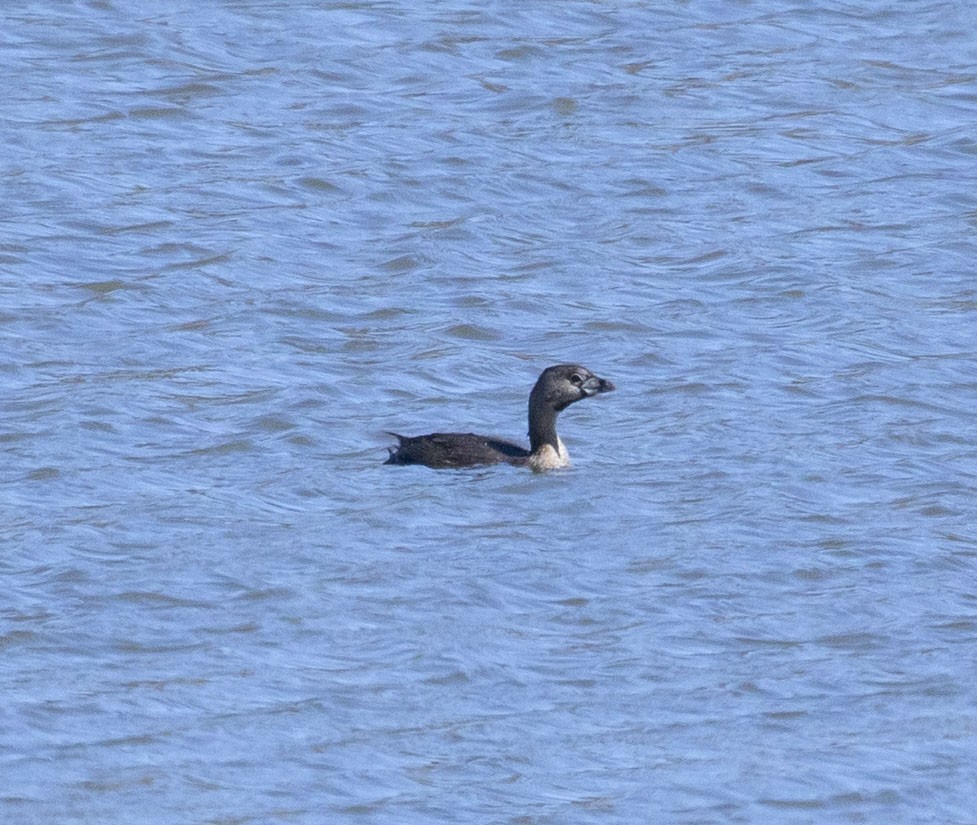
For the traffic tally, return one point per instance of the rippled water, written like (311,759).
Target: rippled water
(241,240)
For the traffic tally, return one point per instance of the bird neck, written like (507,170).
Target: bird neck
(542,425)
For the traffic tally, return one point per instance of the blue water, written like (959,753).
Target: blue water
(239,241)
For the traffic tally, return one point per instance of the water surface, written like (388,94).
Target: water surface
(241,240)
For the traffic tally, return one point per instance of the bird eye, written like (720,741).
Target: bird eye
(576,379)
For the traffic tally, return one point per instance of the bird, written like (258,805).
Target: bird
(556,389)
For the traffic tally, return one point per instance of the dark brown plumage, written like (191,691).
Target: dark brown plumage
(557,388)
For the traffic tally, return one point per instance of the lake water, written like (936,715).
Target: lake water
(240,240)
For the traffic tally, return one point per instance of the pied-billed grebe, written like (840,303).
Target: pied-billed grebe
(557,388)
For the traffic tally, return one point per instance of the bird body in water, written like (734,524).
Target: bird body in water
(557,388)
